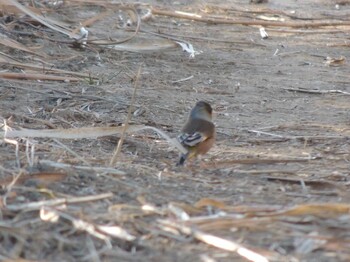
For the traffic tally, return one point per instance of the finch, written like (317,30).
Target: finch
(198,134)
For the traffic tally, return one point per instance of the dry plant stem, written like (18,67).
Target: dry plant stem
(126,125)
(88,168)
(297,31)
(13,142)
(14,44)
(30,152)
(58,201)
(45,21)
(10,186)
(72,133)
(9,60)
(86,132)
(73,153)
(307,182)
(318,91)
(182,79)
(99,231)
(238,9)
(266,171)
(218,242)
(177,38)
(166,36)
(48,69)
(227,163)
(37,77)
(93,254)
(211,20)
(264,133)
(258,132)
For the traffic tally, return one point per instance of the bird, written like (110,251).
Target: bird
(198,134)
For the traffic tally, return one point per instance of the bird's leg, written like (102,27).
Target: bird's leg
(182,160)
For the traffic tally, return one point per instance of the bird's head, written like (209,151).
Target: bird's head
(202,110)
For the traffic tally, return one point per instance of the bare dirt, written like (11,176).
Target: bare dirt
(283,140)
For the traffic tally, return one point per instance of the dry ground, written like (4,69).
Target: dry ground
(282,143)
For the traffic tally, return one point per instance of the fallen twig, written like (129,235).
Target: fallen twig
(46,69)
(316,91)
(258,132)
(212,20)
(265,133)
(94,168)
(103,232)
(251,161)
(87,132)
(55,202)
(215,241)
(28,76)
(54,25)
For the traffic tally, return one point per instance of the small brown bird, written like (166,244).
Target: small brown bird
(198,134)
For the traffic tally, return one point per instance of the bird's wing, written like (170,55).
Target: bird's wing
(191,139)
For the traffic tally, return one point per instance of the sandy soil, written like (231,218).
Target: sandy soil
(279,145)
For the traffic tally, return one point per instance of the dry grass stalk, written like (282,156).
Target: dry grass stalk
(14,44)
(126,124)
(29,76)
(97,169)
(226,163)
(54,25)
(102,232)
(87,132)
(55,202)
(8,129)
(74,133)
(46,68)
(82,159)
(223,20)
(215,241)
(10,186)
(317,91)
(284,138)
